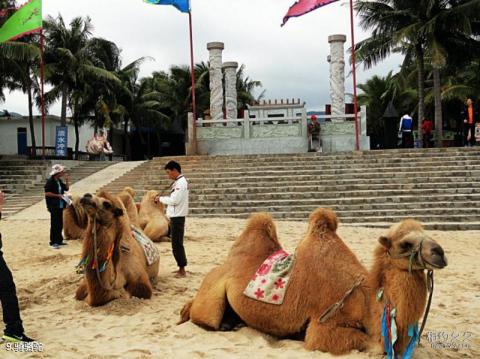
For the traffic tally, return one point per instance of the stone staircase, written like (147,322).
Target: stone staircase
(440,187)
(23,180)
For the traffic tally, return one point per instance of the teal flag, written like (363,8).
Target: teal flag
(24,21)
(182,5)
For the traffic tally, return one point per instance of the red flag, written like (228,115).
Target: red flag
(302,7)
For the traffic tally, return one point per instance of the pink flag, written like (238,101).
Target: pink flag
(302,7)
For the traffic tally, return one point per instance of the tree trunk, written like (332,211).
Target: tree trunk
(437,90)
(30,120)
(77,137)
(75,123)
(63,116)
(125,137)
(421,87)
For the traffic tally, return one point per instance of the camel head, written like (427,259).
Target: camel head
(79,214)
(148,201)
(103,207)
(409,247)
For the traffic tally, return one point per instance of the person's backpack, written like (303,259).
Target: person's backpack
(407,123)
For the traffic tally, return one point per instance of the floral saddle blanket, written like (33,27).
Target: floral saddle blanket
(151,251)
(270,281)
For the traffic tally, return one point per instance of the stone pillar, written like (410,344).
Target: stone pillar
(216,84)
(230,70)
(337,76)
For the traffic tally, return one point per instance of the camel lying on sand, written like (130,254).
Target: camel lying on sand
(119,263)
(75,220)
(127,197)
(325,270)
(153,220)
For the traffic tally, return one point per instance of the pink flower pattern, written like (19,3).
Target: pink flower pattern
(270,281)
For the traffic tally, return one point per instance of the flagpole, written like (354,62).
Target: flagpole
(42,81)
(354,71)
(192,70)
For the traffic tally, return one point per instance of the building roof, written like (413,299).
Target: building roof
(6,113)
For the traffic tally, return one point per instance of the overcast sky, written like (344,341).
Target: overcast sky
(290,61)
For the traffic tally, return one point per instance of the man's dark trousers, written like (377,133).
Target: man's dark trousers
(469,127)
(177,232)
(56,225)
(9,300)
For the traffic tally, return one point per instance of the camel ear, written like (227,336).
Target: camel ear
(117,212)
(385,241)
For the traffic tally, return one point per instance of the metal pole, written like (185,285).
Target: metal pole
(42,80)
(354,71)
(192,70)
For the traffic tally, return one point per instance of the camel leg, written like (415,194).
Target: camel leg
(151,232)
(82,290)
(103,298)
(208,306)
(141,287)
(334,339)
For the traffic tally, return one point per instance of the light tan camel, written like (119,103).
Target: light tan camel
(153,220)
(325,270)
(127,197)
(126,271)
(75,220)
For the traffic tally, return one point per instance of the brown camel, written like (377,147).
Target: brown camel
(127,197)
(325,270)
(121,267)
(153,220)
(75,220)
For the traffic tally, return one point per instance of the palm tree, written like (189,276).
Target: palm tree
(416,29)
(137,102)
(378,92)
(19,64)
(72,66)
(394,25)
(449,35)
(246,88)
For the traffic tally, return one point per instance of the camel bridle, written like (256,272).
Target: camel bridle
(95,255)
(417,252)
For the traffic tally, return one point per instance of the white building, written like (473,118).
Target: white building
(13,130)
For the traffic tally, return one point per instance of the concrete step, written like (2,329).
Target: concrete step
(303,216)
(304,186)
(299,163)
(292,198)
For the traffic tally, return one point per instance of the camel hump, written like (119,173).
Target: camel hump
(130,191)
(262,221)
(324,218)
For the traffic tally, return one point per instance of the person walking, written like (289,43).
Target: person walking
(426,128)
(14,331)
(406,131)
(177,210)
(469,114)
(55,189)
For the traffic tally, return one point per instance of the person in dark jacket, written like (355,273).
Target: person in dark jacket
(470,116)
(54,196)
(14,331)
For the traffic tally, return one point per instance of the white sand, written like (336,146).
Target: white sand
(134,328)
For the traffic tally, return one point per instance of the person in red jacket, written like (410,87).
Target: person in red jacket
(426,127)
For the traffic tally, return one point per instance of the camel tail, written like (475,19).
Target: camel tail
(185,313)
(324,219)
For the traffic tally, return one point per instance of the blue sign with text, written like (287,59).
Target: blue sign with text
(61,141)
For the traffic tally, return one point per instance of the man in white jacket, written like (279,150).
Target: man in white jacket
(177,210)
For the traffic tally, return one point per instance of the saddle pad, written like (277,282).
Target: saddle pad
(270,281)
(151,251)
